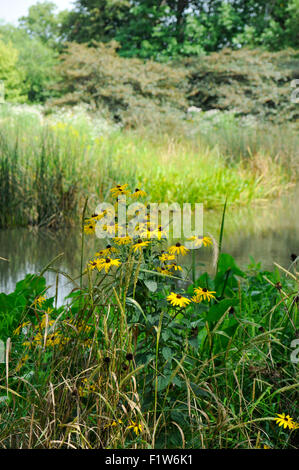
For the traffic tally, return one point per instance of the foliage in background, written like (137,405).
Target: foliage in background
(48,165)
(129,90)
(248,82)
(44,24)
(170,28)
(36,60)
(10,74)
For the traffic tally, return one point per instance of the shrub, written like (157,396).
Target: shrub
(132,91)
(246,81)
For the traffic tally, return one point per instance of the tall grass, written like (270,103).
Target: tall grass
(49,165)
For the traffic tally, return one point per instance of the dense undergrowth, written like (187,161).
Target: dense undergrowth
(48,165)
(144,354)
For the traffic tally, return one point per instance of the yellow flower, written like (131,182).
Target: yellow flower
(107,263)
(22,362)
(99,216)
(137,428)
(198,241)
(114,423)
(174,266)
(119,190)
(111,228)
(20,327)
(178,249)
(147,232)
(178,300)
(285,420)
(39,300)
(203,294)
(166,257)
(92,264)
(164,271)
(139,245)
(138,192)
(90,228)
(106,251)
(160,233)
(122,240)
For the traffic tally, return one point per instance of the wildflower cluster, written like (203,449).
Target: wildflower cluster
(147,237)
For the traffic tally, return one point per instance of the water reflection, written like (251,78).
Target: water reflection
(268,233)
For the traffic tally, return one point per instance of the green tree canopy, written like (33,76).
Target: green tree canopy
(164,29)
(36,60)
(43,23)
(11,75)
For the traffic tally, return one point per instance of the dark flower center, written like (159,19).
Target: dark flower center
(139,240)
(108,247)
(178,244)
(178,296)
(205,289)
(136,190)
(107,260)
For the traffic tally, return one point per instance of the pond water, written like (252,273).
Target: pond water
(266,232)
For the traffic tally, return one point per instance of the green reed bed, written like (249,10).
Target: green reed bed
(49,165)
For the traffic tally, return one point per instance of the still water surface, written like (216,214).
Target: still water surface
(268,233)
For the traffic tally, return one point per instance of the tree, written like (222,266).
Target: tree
(165,29)
(36,60)
(11,75)
(43,23)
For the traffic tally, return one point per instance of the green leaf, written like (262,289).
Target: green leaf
(151,285)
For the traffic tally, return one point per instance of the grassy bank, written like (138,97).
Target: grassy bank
(48,165)
(136,359)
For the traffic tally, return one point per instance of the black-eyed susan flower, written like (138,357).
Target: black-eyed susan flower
(178,249)
(138,193)
(174,266)
(284,420)
(113,424)
(199,241)
(139,245)
(92,264)
(120,189)
(203,294)
(166,257)
(145,231)
(90,228)
(164,271)
(111,228)
(160,233)
(137,428)
(125,240)
(177,300)
(106,251)
(98,216)
(107,263)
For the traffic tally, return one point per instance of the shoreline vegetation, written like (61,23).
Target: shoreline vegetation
(50,164)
